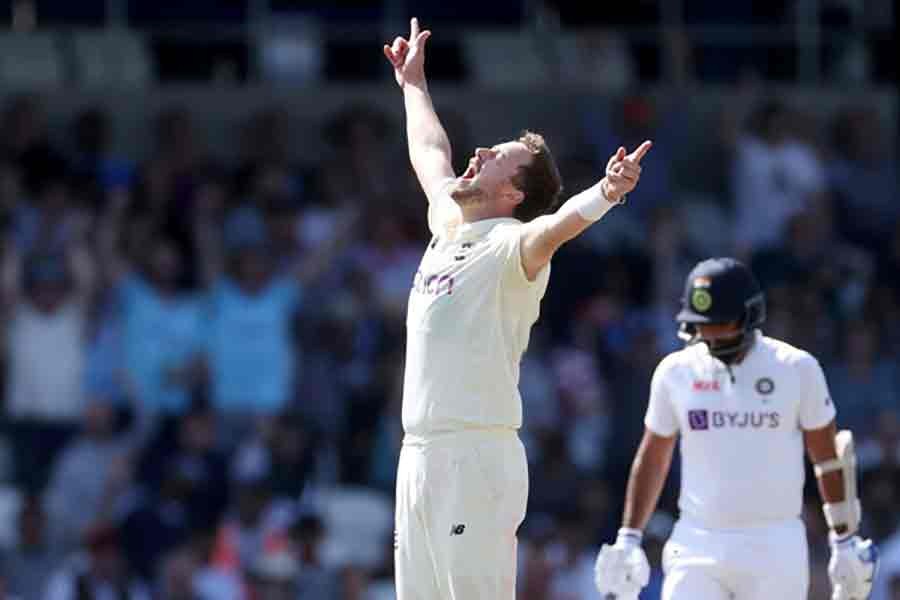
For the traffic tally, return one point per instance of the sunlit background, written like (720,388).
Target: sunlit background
(210,228)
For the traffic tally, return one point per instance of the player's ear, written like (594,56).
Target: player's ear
(514,195)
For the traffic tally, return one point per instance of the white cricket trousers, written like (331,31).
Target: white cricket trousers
(762,563)
(460,499)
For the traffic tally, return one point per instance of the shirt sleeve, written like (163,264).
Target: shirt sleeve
(816,405)
(507,240)
(661,418)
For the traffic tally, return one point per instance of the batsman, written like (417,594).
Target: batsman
(744,407)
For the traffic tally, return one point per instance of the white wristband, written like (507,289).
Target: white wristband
(845,513)
(629,536)
(591,204)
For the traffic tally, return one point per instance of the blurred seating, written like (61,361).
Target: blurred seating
(498,59)
(29,61)
(291,52)
(111,59)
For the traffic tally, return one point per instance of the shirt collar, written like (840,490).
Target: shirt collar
(481,227)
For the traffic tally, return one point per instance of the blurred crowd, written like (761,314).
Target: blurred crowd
(202,361)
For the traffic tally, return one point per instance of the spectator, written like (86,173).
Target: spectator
(249,347)
(99,572)
(865,177)
(26,141)
(273,576)
(315,580)
(94,468)
(879,460)
(636,119)
(93,160)
(884,298)
(773,174)
(574,570)
(156,522)
(284,453)
(559,476)
(253,525)
(161,325)
(28,566)
(185,453)
(583,397)
(356,174)
(187,573)
(47,300)
(811,252)
(50,222)
(863,384)
(390,258)
(49,295)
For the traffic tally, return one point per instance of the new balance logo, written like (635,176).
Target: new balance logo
(457,529)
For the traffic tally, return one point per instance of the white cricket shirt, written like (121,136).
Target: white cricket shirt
(469,318)
(742,446)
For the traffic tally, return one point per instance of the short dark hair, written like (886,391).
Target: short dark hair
(539,180)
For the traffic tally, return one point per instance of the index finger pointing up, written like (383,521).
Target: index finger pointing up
(638,154)
(413,28)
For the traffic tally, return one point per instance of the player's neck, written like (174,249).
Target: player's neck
(738,358)
(482,211)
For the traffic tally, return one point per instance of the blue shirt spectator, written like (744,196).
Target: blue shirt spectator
(162,335)
(251,355)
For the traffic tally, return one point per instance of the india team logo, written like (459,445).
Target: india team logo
(701,300)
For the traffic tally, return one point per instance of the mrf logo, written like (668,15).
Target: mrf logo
(702,419)
(457,529)
(706,386)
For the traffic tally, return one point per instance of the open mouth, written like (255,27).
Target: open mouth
(472,170)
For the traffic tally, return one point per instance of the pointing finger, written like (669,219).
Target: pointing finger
(413,28)
(638,154)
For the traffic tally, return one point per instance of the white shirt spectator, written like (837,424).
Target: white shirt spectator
(771,184)
(46,363)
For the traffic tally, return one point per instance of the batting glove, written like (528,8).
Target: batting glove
(852,568)
(622,569)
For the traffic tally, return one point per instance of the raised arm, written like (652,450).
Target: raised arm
(542,237)
(113,265)
(429,148)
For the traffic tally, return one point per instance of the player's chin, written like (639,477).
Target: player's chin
(465,193)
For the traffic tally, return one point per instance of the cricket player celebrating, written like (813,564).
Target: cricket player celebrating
(462,481)
(745,405)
